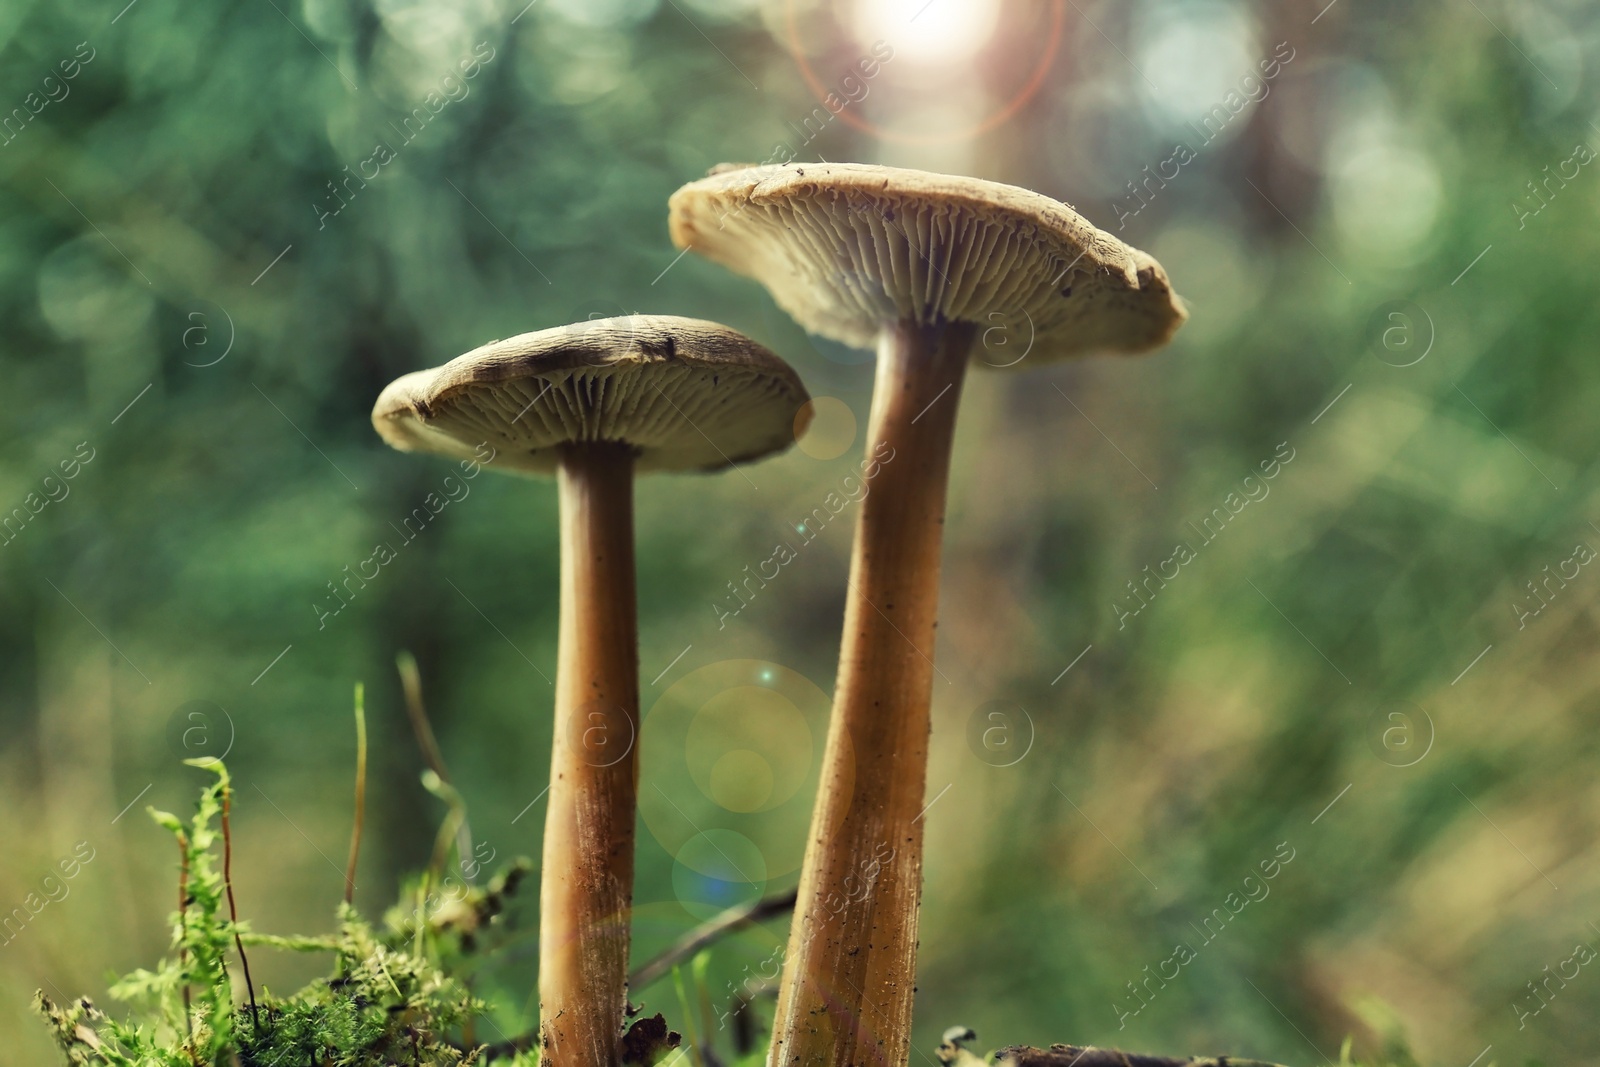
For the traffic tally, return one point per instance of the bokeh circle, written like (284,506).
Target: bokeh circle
(1001,115)
(832,429)
(717,870)
(733,747)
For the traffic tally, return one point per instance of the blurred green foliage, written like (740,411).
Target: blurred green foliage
(182,306)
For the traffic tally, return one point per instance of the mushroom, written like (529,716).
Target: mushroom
(920,265)
(593,403)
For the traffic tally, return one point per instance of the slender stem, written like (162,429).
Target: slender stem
(233,909)
(183,938)
(417,712)
(361,795)
(587,880)
(411,683)
(848,980)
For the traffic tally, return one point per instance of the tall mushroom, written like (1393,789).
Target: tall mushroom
(920,265)
(593,403)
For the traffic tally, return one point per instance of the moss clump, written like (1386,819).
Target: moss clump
(387,1001)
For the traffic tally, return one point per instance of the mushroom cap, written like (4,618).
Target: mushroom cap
(847,247)
(684,393)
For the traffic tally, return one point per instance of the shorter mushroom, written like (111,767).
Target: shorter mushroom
(593,403)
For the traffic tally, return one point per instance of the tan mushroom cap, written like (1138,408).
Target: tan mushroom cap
(684,393)
(847,247)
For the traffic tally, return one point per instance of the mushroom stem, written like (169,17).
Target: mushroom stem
(587,883)
(848,979)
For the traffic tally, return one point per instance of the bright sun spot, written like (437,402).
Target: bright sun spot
(926,31)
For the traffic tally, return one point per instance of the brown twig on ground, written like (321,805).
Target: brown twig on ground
(952,1053)
(1086,1056)
(233,909)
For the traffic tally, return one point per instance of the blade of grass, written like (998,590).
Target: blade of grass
(361,795)
(698,968)
(691,1039)
(432,755)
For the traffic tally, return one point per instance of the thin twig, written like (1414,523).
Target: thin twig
(709,931)
(233,909)
(361,795)
(686,946)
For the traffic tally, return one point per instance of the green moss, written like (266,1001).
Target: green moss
(388,998)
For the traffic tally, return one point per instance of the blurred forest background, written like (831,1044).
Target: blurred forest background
(1381,660)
